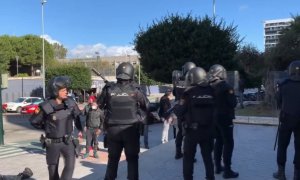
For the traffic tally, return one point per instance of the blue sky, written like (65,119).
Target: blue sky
(109,26)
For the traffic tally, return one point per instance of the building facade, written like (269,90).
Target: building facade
(272,31)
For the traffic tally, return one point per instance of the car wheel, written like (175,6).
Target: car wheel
(19,109)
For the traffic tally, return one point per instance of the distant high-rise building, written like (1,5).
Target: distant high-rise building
(272,31)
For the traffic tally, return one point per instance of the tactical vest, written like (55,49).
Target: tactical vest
(201,105)
(93,118)
(59,118)
(123,104)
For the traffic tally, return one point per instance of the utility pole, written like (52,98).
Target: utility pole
(1,114)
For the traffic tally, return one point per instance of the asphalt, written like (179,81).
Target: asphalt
(253,157)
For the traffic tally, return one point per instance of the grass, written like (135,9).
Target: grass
(257,110)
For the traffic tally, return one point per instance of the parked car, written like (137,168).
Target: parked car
(30,109)
(16,106)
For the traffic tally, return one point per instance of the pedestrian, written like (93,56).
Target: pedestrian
(197,105)
(123,101)
(56,116)
(165,105)
(178,80)
(224,114)
(288,100)
(94,125)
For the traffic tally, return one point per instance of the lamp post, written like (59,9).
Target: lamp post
(139,72)
(17,59)
(43,36)
(214,9)
(97,59)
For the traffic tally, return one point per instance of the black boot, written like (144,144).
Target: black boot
(27,173)
(280,174)
(178,154)
(218,167)
(229,173)
(296,174)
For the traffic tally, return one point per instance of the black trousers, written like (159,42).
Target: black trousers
(224,144)
(119,137)
(53,152)
(179,137)
(288,126)
(204,138)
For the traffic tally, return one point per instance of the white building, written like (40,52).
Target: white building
(272,31)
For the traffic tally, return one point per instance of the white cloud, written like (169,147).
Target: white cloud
(88,51)
(49,39)
(243,7)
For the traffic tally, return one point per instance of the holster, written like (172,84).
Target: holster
(43,141)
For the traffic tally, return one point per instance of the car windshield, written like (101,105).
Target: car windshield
(19,100)
(38,101)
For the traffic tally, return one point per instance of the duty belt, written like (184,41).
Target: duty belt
(54,140)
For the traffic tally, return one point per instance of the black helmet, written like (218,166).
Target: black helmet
(125,71)
(57,83)
(294,70)
(176,75)
(187,66)
(217,71)
(196,75)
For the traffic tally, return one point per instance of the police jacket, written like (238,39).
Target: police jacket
(197,105)
(124,103)
(57,119)
(225,101)
(288,97)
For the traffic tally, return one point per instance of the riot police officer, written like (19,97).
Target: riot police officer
(124,103)
(56,116)
(224,114)
(178,80)
(288,99)
(197,105)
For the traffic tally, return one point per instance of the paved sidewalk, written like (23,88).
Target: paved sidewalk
(253,156)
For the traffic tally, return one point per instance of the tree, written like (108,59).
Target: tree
(251,65)
(6,52)
(167,44)
(59,51)
(80,76)
(288,48)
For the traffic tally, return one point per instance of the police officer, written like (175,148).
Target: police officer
(224,114)
(288,99)
(178,80)
(123,101)
(56,116)
(197,105)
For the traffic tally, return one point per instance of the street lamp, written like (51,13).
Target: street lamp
(214,9)
(97,59)
(43,36)
(17,59)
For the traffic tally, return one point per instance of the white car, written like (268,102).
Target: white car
(17,105)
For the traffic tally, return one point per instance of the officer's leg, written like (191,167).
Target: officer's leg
(297,151)
(206,152)
(189,151)
(131,138)
(227,134)
(68,152)
(218,149)
(178,141)
(52,158)
(115,147)
(146,129)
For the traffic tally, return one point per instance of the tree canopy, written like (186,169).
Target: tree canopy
(167,44)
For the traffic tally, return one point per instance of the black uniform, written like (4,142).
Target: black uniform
(123,102)
(197,105)
(57,121)
(289,104)
(224,114)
